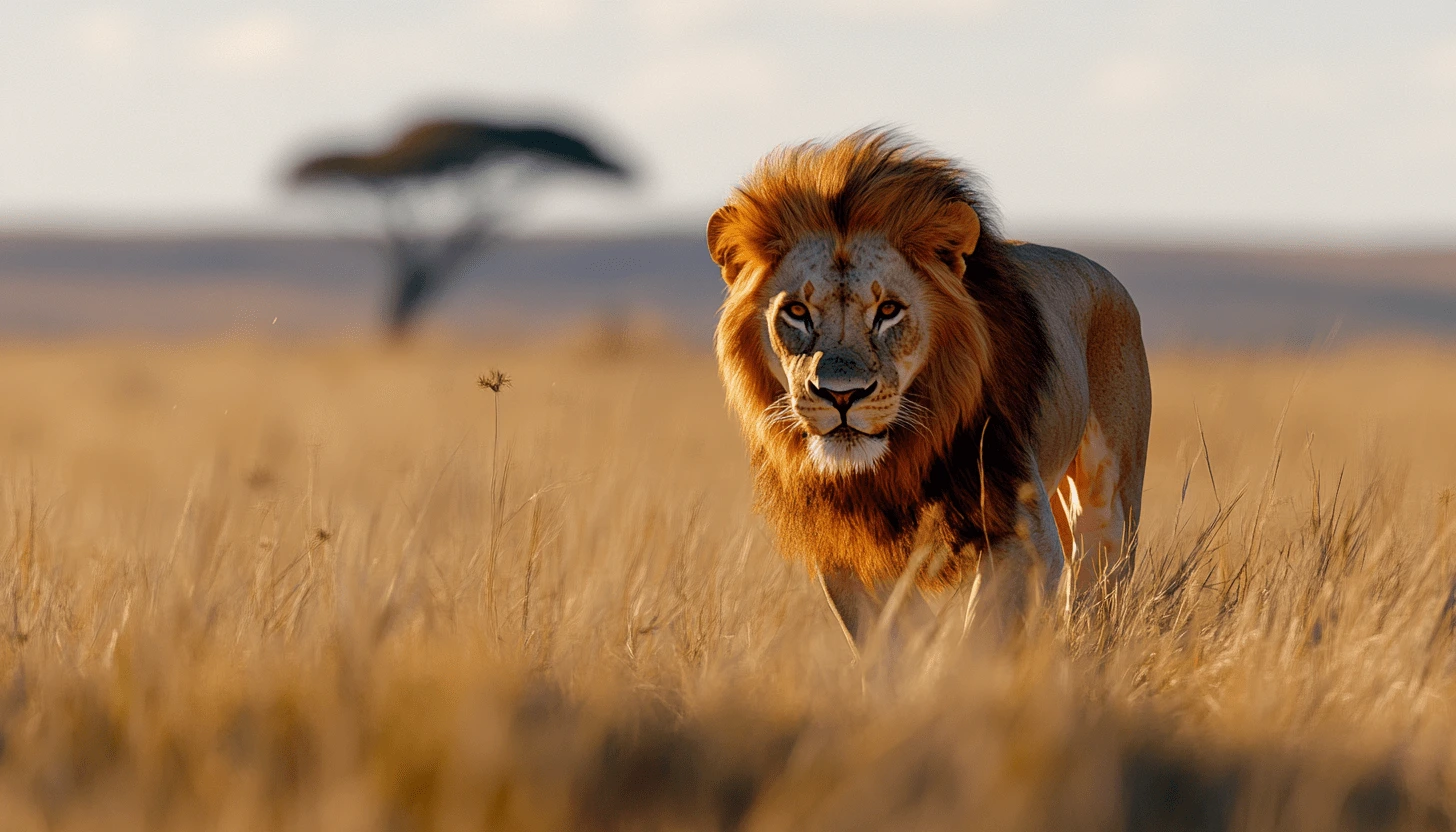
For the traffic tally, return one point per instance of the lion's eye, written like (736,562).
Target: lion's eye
(889,309)
(797,311)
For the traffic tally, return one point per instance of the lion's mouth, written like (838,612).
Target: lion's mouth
(844,431)
(845,450)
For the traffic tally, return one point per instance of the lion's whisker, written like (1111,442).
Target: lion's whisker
(780,412)
(912,424)
(914,416)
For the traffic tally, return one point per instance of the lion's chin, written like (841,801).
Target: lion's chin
(847,452)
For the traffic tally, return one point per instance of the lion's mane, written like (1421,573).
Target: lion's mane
(987,358)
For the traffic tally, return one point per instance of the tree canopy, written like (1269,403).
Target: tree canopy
(443,146)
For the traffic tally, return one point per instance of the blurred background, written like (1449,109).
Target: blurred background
(1258,174)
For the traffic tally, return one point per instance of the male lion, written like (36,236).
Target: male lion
(909,381)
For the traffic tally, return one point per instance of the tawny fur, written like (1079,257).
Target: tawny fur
(1008,384)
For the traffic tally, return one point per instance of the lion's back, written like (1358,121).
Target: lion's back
(1074,289)
(1095,332)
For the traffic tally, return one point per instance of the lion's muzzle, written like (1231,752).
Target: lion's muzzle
(843,400)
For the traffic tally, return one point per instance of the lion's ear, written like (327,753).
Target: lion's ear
(721,246)
(963,230)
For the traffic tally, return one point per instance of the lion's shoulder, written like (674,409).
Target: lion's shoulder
(1068,286)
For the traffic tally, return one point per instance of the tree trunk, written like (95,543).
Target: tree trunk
(413,285)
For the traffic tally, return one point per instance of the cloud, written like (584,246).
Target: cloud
(1303,86)
(675,18)
(535,14)
(108,36)
(1132,81)
(661,18)
(710,78)
(1438,66)
(252,45)
(900,10)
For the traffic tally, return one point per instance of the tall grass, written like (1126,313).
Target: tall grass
(246,586)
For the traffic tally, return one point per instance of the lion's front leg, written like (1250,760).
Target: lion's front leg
(854,606)
(1024,569)
(860,610)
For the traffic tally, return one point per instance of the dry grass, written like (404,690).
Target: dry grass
(252,587)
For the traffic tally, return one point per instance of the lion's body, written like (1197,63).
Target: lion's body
(908,380)
(1092,428)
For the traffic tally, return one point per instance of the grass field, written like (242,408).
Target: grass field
(257,586)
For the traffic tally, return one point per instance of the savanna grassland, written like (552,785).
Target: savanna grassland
(253,586)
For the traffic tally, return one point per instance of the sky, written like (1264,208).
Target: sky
(1329,121)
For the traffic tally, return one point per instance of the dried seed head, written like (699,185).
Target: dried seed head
(494,381)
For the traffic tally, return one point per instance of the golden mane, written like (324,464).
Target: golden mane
(871,182)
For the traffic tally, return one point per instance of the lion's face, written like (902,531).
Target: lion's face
(850,328)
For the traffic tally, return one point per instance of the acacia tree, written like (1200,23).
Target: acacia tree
(444,186)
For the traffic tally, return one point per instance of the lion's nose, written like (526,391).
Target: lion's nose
(842,400)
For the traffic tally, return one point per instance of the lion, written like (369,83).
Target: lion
(908,380)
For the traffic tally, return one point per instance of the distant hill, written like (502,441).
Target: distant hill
(63,285)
